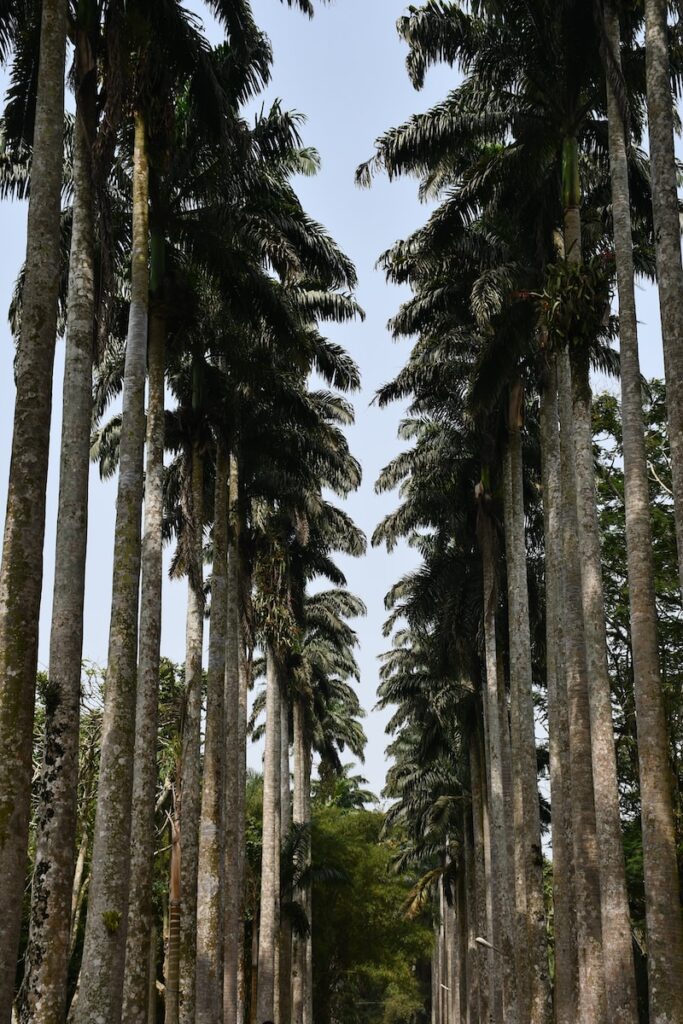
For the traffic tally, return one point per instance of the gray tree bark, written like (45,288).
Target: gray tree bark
(660,112)
(620,984)
(564,925)
(191,786)
(664,920)
(101,987)
(140,907)
(43,995)
(235,778)
(210,874)
(267,1003)
(523,733)
(285,827)
(592,1006)
(501,879)
(21,570)
(484,957)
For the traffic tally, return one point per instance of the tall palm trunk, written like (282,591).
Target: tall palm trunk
(246,661)
(620,978)
(267,996)
(104,947)
(172,990)
(234,780)
(664,921)
(210,873)
(140,907)
(285,828)
(616,930)
(471,1010)
(43,996)
(484,957)
(299,816)
(245,667)
(592,1007)
(21,570)
(564,926)
(665,208)
(502,885)
(190,786)
(523,731)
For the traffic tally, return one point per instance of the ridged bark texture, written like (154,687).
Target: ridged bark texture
(234,779)
(101,986)
(21,571)
(592,1007)
(564,926)
(43,994)
(665,209)
(210,873)
(501,880)
(523,732)
(140,906)
(664,920)
(191,786)
(267,1002)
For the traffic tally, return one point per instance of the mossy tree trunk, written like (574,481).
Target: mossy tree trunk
(21,570)
(210,917)
(43,993)
(141,911)
(101,988)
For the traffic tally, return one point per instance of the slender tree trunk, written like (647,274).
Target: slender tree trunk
(612,888)
(152,977)
(191,786)
(140,907)
(267,996)
(286,825)
(21,570)
(104,948)
(172,987)
(301,999)
(620,984)
(234,780)
(472,993)
(484,957)
(254,971)
(495,961)
(436,991)
(245,674)
(564,929)
(592,1008)
(665,208)
(210,876)
(523,726)
(502,888)
(664,920)
(462,1006)
(46,958)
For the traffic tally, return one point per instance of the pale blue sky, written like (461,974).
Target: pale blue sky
(345,70)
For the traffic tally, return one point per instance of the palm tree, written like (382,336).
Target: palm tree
(21,569)
(43,993)
(101,986)
(209,925)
